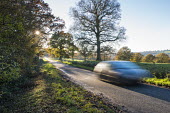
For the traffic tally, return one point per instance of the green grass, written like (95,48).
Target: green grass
(78,65)
(72,97)
(49,92)
(159,70)
(159,82)
(83,67)
(67,59)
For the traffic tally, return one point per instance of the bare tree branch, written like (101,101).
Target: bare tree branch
(98,21)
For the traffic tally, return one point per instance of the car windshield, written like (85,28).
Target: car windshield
(125,65)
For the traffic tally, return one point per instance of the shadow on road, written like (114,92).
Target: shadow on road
(153,91)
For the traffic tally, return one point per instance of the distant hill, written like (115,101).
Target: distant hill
(155,52)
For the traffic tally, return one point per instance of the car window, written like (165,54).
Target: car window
(124,65)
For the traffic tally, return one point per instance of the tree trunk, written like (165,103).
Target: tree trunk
(104,56)
(98,49)
(61,52)
(85,59)
(72,55)
(60,58)
(98,38)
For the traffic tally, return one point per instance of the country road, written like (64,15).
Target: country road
(138,99)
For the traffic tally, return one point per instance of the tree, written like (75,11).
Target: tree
(72,49)
(148,58)
(162,58)
(106,51)
(19,19)
(49,51)
(52,52)
(136,57)
(85,50)
(61,41)
(123,54)
(97,20)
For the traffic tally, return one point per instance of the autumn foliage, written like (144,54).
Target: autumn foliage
(125,54)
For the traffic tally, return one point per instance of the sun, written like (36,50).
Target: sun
(37,32)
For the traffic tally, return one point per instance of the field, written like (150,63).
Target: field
(159,70)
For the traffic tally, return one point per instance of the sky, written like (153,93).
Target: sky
(147,22)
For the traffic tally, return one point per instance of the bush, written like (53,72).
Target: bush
(9,70)
(160,75)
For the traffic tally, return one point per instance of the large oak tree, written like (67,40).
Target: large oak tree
(98,21)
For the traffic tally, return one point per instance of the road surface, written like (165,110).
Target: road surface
(138,99)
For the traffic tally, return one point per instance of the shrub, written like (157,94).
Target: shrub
(160,75)
(9,70)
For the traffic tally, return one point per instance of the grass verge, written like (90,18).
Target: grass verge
(49,92)
(158,82)
(79,66)
(83,67)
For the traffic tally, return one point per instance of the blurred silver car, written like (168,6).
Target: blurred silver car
(121,72)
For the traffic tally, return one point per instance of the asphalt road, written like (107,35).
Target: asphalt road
(138,99)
